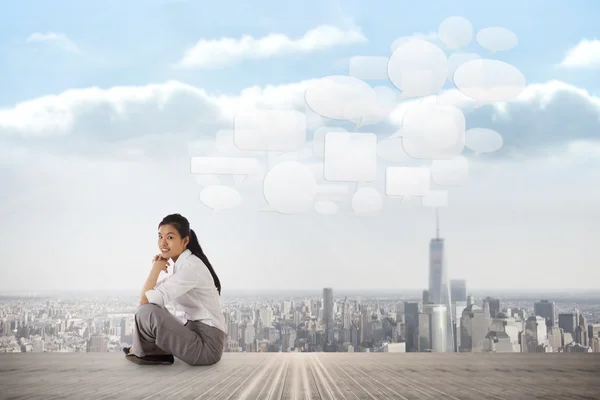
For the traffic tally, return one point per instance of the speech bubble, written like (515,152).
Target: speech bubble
(219,197)
(407,181)
(455,32)
(488,81)
(319,139)
(290,188)
(225,166)
(350,157)
(433,131)
(367,201)
(340,97)
(453,172)
(392,150)
(483,140)
(368,67)
(403,39)
(436,199)
(418,68)
(496,38)
(456,60)
(326,207)
(269,130)
(208,180)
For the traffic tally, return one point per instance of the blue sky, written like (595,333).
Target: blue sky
(93,169)
(133,43)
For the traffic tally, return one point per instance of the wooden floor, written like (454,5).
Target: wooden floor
(431,376)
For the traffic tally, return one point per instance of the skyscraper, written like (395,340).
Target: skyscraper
(328,314)
(547,310)
(439,290)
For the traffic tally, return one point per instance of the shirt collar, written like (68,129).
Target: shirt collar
(183,256)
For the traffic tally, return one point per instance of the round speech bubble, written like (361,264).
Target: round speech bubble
(340,97)
(220,197)
(326,207)
(418,68)
(489,81)
(455,32)
(290,187)
(496,38)
(367,201)
(483,140)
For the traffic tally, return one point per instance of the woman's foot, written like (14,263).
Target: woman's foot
(127,350)
(163,359)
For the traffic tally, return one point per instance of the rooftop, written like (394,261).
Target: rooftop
(432,376)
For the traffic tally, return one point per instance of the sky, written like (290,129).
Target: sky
(104,104)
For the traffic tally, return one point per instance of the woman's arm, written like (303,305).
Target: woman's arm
(159,265)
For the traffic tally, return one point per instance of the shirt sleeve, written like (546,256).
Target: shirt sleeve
(174,286)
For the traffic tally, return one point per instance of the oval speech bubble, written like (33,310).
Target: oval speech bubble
(290,187)
(496,38)
(220,197)
(483,140)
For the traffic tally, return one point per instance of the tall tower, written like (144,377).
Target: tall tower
(439,287)
(328,314)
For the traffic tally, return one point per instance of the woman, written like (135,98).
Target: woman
(195,287)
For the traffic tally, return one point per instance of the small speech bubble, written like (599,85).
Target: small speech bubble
(392,150)
(350,157)
(326,207)
(319,139)
(340,97)
(489,81)
(418,68)
(496,38)
(368,68)
(225,166)
(453,172)
(290,188)
(483,140)
(367,201)
(455,32)
(433,131)
(436,199)
(333,192)
(219,197)
(269,130)
(407,181)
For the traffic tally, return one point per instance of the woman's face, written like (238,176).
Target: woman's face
(170,243)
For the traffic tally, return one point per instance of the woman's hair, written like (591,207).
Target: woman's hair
(181,224)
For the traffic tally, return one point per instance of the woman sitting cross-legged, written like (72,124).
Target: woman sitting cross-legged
(195,287)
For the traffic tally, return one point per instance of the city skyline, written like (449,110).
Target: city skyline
(97,139)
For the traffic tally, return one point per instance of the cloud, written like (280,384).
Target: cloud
(58,39)
(586,54)
(226,51)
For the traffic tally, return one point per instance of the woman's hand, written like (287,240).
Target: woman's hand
(160,263)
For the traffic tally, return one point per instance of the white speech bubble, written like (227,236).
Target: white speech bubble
(488,81)
(340,97)
(455,32)
(456,60)
(319,139)
(208,180)
(368,67)
(453,172)
(418,68)
(436,199)
(433,131)
(386,102)
(392,150)
(483,140)
(407,181)
(326,207)
(403,39)
(269,130)
(225,166)
(219,197)
(496,38)
(367,201)
(290,188)
(350,157)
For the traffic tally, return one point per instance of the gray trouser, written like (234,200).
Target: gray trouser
(156,331)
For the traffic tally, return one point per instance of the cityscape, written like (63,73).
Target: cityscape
(446,317)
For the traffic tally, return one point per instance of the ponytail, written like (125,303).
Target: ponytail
(196,249)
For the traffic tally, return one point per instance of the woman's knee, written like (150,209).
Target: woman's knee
(146,310)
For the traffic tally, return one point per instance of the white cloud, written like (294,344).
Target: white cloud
(58,39)
(225,51)
(586,54)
